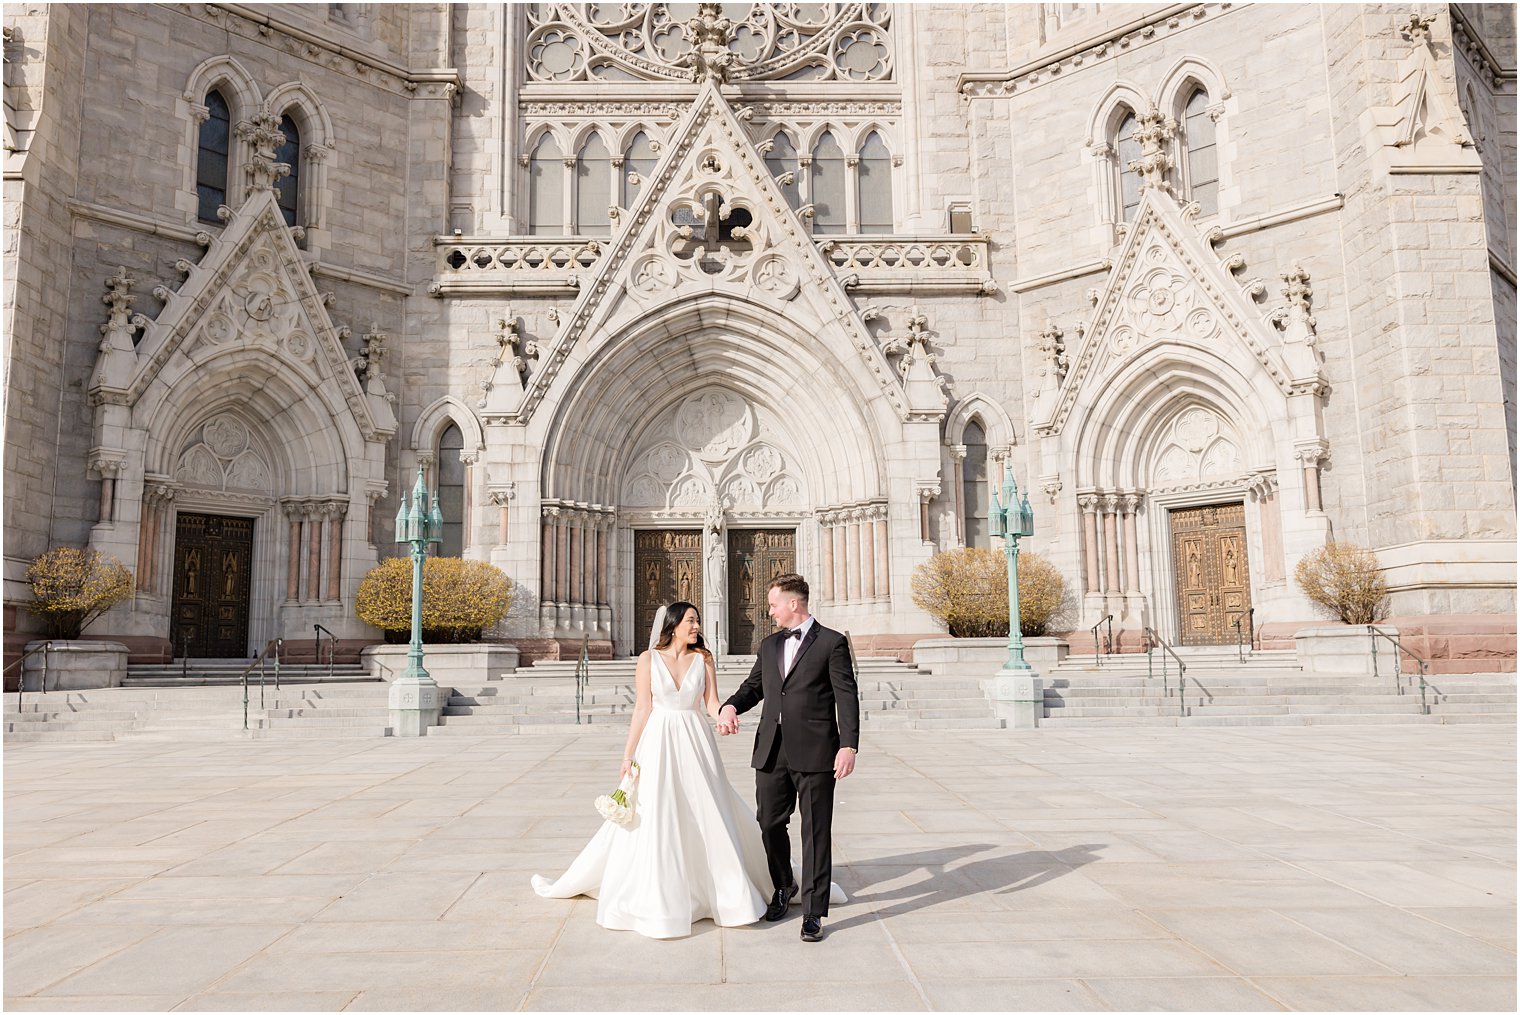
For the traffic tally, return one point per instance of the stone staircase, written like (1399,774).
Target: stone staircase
(892,696)
(222,672)
(198,713)
(1267,689)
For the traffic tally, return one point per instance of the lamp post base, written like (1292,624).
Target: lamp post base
(416,703)
(1017,696)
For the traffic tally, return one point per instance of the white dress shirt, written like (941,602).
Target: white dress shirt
(792,646)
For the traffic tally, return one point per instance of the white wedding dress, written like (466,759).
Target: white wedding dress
(693,850)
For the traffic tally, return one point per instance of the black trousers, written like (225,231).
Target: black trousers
(778,791)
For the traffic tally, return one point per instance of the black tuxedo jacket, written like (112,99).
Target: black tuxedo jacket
(817,705)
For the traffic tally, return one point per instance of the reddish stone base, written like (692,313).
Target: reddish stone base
(1081,642)
(1450,643)
(887,646)
(531,650)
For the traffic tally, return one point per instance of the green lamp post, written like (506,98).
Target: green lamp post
(1011,520)
(414,699)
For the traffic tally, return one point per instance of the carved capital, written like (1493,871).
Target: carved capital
(1088,502)
(501,493)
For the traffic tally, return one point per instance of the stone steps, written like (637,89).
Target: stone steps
(1273,698)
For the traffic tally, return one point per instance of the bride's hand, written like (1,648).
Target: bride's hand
(627,767)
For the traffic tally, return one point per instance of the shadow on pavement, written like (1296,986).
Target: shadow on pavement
(998,875)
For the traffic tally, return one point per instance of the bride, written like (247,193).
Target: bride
(693,851)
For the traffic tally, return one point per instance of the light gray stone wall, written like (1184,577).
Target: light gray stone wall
(45,499)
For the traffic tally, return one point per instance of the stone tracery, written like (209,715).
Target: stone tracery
(708,41)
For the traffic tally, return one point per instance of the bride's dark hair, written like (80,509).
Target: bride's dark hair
(674,614)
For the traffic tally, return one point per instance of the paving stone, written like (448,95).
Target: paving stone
(990,917)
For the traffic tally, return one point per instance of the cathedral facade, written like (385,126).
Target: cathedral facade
(664,299)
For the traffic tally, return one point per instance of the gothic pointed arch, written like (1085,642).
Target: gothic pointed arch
(433,419)
(995,420)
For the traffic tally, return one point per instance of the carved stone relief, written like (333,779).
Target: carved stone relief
(724,42)
(1198,446)
(713,441)
(219,457)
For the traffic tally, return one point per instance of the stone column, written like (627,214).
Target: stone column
(603,535)
(469,459)
(867,537)
(852,554)
(826,565)
(293,558)
(883,559)
(841,572)
(313,552)
(1111,545)
(958,455)
(1130,503)
(335,515)
(501,494)
(575,567)
(145,534)
(1089,505)
(1269,516)
(548,591)
(1311,455)
(561,556)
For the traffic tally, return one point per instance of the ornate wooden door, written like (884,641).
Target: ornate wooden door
(667,567)
(213,556)
(1213,576)
(755,556)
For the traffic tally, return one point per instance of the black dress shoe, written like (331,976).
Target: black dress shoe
(812,928)
(779,901)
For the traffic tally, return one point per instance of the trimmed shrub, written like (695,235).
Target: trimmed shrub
(72,586)
(967,591)
(460,598)
(1346,580)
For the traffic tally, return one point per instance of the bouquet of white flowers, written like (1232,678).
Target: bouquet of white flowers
(615,806)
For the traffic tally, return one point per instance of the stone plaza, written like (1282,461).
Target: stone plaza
(1341,868)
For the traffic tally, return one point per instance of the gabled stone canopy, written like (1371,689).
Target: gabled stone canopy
(1166,287)
(251,293)
(681,242)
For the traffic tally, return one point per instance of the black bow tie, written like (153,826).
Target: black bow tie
(795,633)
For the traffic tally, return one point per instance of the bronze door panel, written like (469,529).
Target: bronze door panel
(755,556)
(1212,573)
(667,567)
(213,558)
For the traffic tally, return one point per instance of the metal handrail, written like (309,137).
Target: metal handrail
(1250,629)
(582,677)
(184,653)
(1152,641)
(44,648)
(1098,656)
(258,661)
(332,647)
(1375,634)
(1239,651)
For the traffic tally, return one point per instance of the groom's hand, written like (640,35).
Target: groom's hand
(844,763)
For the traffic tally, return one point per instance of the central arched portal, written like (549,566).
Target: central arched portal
(696,467)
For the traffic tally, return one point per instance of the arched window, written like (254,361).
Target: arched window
(1127,150)
(875,183)
(782,159)
(829,213)
(638,164)
(451,491)
(211,158)
(974,485)
(546,189)
(288,189)
(1202,155)
(593,188)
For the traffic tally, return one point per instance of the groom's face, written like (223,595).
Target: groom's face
(785,608)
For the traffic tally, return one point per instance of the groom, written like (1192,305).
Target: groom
(803,674)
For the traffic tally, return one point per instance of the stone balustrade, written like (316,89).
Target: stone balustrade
(555,266)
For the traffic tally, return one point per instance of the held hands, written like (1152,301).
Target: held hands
(844,763)
(728,720)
